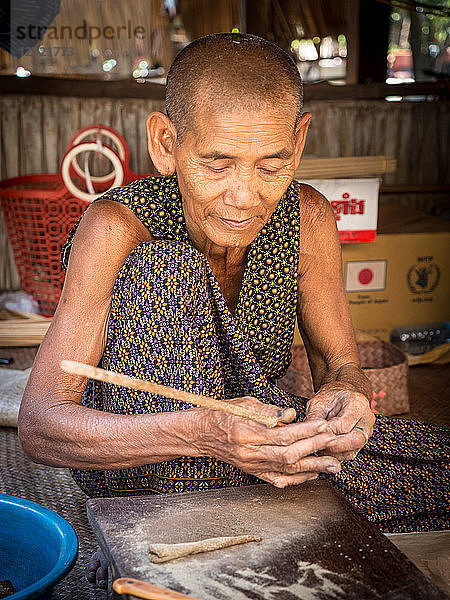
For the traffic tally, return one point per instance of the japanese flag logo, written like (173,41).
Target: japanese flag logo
(365,276)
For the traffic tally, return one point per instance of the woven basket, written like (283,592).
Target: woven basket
(40,210)
(384,364)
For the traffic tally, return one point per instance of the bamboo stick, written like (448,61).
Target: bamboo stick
(23,332)
(346,166)
(77,368)
(9,313)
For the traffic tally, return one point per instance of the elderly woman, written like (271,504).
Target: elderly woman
(194,279)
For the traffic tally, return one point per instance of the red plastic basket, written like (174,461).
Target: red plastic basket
(39,213)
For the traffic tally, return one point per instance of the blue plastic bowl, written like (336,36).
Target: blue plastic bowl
(37,547)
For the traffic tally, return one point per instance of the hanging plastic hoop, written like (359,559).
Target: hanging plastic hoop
(68,160)
(91,132)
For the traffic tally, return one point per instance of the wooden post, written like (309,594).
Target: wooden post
(243,15)
(352,8)
(259,18)
(373,41)
(367,40)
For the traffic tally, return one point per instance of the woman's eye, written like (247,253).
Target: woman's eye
(268,171)
(217,169)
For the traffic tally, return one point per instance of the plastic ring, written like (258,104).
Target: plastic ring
(109,133)
(83,147)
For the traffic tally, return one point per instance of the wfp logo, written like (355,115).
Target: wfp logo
(423,278)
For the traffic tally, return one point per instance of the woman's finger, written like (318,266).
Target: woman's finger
(253,458)
(286,415)
(289,459)
(347,443)
(285,436)
(281,480)
(317,464)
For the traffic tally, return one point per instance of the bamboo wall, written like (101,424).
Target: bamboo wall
(35,132)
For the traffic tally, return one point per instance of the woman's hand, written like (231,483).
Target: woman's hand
(281,455)
(348,415)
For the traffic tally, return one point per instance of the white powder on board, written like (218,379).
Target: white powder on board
(263,584)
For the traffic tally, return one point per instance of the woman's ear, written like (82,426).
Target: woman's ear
(300,137)
(161,139)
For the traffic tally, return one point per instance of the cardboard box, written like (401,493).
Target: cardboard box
(355,205)
(402,278)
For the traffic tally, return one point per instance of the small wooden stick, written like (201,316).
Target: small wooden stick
(76,368)
(141,589)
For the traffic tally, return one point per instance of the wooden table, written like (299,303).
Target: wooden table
(315,545)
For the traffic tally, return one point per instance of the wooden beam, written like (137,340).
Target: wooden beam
(11,84)
(88,88)
(345,166)
(415,189)
(374,91)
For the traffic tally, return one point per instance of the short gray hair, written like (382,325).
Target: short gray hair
(231,70)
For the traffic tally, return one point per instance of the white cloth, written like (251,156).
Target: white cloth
(12,386)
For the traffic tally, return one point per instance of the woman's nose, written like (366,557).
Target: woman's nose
(243,196)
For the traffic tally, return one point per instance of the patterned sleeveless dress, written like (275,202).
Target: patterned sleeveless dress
(169,323)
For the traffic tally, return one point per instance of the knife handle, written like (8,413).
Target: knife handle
(141,589)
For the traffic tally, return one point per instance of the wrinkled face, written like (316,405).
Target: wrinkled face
(232,170)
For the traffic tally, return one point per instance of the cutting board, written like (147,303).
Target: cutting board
(315,545)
